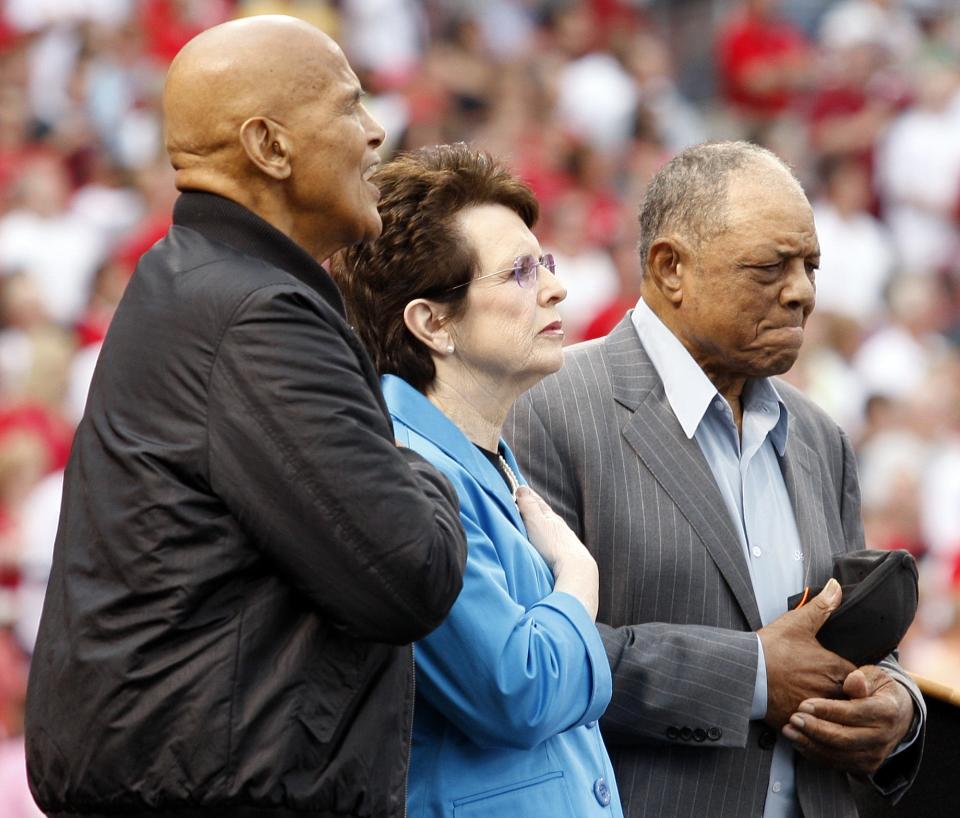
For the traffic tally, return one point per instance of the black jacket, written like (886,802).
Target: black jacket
(244,555)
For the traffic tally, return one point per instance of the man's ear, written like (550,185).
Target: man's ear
(267,145)
(668,262)
(427,322)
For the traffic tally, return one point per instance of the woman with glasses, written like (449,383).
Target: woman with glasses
(457,304)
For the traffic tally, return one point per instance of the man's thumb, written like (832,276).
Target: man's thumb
(824,604)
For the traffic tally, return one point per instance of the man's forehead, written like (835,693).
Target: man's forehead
(326,75)
(339,72)
(775,218)
(751,195)
(766,179)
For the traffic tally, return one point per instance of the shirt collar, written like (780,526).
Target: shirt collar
(220,219)
(688,389)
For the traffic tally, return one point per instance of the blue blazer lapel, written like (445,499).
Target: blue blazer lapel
(676,462)
(414,410)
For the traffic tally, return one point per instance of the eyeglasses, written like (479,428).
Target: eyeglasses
(524,270)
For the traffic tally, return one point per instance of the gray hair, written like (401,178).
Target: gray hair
(689,193)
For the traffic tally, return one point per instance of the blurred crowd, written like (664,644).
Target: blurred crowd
(586,99)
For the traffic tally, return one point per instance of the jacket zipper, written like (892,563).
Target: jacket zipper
(413,696)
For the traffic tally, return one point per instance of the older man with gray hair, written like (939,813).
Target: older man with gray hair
(710,492)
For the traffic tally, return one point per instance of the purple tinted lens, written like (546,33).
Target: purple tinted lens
(525,269)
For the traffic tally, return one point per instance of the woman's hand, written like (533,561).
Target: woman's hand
(574,568)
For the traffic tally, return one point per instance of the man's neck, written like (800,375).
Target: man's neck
(731,390)
(729,387)
(262,200)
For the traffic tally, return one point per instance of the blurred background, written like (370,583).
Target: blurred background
(586,99)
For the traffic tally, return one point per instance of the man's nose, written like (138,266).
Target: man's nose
(375,132)
(800,289)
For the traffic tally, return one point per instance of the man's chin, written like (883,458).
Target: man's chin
(778,364)
(372,228)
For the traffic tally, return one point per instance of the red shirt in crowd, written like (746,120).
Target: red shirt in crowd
(753,46)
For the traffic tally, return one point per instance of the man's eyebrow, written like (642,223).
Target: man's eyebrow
(785,254)
(353,95)
(765,254)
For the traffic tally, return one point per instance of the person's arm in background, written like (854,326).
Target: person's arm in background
(304,456)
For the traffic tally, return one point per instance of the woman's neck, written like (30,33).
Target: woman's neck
(477,411)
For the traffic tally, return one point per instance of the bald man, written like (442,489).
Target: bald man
(244,555)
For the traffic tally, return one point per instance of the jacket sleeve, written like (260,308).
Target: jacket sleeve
(898,772)
(303,455)
(663,674)
(505,676)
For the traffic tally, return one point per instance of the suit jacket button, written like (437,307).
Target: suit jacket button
(686,733)
(699,735)
(714,733)
(601,792)
(768,738)
(673,733)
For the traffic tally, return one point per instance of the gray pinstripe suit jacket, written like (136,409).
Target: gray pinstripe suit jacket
(601,443)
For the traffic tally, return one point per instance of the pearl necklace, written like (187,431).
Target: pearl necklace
(511,477)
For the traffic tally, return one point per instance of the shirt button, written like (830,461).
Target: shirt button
(591,725)
(602,792)
(756,551)
(777,786)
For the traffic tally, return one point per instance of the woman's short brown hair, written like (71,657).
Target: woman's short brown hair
(420,252)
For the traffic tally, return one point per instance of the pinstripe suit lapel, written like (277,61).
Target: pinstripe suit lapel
(676,461)
(804,487)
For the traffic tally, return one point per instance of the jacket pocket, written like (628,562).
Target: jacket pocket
(542,797)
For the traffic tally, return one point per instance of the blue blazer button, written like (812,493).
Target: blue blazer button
(601,791)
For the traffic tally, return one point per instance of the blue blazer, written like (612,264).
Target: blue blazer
(509,688)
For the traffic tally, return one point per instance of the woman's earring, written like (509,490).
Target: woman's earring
(449,349)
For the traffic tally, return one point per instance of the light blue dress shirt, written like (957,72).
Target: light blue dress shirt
(747,471)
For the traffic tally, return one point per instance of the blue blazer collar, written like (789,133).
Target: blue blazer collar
(414,410)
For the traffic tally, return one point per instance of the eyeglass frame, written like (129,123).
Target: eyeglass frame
(546,260)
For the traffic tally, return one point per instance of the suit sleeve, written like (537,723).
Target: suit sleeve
(899,771)
(301,452)
(508,676)
(664,675)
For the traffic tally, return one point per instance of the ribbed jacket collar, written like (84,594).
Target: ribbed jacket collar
(227,222)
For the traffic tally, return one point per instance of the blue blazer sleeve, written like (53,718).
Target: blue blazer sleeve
(507,676)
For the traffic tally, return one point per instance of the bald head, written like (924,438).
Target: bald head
(253,67)
(267,112)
